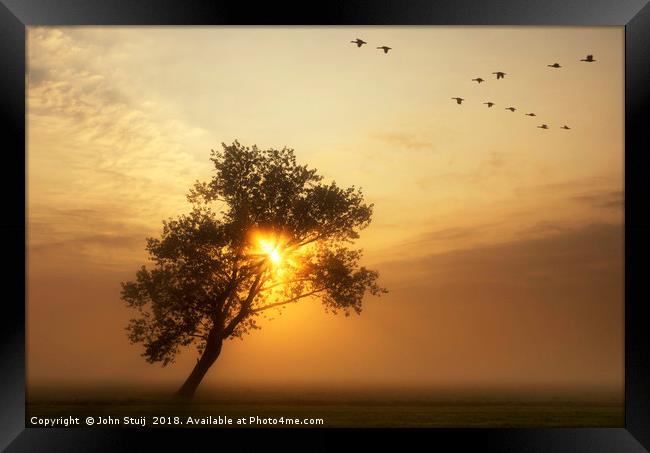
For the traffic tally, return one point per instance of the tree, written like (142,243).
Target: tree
(279,237)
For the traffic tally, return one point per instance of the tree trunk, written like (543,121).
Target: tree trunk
(209,356)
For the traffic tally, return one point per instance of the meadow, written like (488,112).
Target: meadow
(352,408)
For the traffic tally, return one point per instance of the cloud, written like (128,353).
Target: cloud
(562,257)
(408,141)
(496,166)
(544,228)
(563,187)
(450,233)
(102,240)
(453,233)
(496,160)
(79,82)
(122,160)
(101,237)
(527,309)
(605,199)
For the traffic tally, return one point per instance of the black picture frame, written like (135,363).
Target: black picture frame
(15,15)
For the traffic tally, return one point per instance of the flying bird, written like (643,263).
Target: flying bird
(459,100)
(512,109)
(385,48)
(589,59)
(500,75)
(489,104)
(359,42)
(478,80)
(543,126)
(530,114)
(554,65)
(565,127)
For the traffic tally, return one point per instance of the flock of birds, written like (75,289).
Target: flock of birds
(498,74)
(501,75)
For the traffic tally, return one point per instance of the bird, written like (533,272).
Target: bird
(543,126)
(359,42)
(554,65)
(589,59)
(489,104)
(478,80)
(530,114)
(500,75)
(385,48)
(565,127)
(459,100)
(512,109)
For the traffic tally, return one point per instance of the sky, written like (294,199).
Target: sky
(501,243)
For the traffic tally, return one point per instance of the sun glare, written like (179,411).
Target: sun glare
(271,248)
(276,250)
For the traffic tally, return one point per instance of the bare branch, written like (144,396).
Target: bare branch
(245,308)
(286,283)
(307,241)
(277,304)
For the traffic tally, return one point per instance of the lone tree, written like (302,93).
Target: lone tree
(279,237)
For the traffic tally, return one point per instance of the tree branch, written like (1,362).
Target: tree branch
(307,241)
(277,304)
(245,307)
(226,295)
(253,266)
(285,283)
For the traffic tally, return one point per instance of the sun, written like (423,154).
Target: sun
(270,247)
(275,257)
(275,249)
(271,251)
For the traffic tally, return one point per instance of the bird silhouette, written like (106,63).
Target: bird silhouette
(459,100)
(359,42)
(489,104)
(554,65)
(512,109)
(385,48)
(565,127)
(589,59)
(543,126)
(499,74)
(530,114)
(478,79)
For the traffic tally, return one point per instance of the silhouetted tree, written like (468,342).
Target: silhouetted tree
(278,237)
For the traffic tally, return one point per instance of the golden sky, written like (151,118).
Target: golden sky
(501,243)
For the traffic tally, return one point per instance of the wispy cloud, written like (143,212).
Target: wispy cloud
(404,140)
(554,303)
(453,233)
(103,160)
(607,199)
(561,255)
(592,183)
(544,228)
(102,240)
(493,166)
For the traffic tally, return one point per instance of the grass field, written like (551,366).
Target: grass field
(379,409)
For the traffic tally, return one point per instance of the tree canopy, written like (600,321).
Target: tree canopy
(263,233)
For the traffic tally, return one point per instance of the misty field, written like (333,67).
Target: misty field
(335,409)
